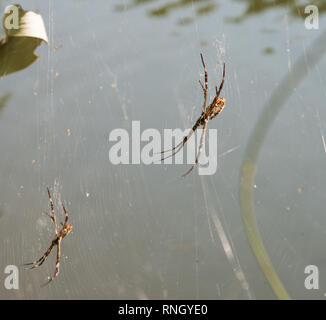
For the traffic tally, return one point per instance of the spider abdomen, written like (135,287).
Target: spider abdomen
(215,108)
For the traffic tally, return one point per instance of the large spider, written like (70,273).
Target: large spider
(66,228)
(210,113)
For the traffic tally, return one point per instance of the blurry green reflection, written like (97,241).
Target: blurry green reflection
(203,7)
(3,100)
(295,7)
(250,160)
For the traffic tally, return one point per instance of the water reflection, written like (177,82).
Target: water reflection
(249,165)
(203,7)
(167,8)
(3,100)
(268,51)
(295,7)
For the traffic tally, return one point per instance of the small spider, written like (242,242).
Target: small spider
(66,228)
(210,113)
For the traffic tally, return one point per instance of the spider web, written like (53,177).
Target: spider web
(139,232)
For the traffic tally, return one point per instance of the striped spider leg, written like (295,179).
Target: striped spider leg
(66,228)
(208,113)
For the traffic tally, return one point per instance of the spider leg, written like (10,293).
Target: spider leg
(177,146)
(205,89)
(183,142)
(66,214)
(202,140)
(222,83)
(57,266)
(53,217)
(175,152)
(40,261)
(47,214)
